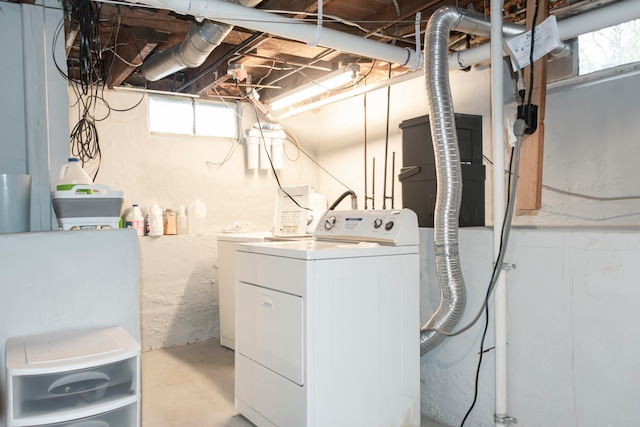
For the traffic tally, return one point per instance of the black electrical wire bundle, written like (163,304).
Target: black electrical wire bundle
(83,15)
(90,72)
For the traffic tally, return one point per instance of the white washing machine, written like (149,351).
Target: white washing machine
(328,330)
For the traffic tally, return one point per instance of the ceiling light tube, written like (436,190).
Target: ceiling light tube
(330,81)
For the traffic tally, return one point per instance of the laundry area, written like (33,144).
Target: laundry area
(319,214)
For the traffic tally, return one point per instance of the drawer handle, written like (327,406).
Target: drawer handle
(266,302)
(91,385)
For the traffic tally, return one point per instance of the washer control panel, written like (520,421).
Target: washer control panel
(396,227)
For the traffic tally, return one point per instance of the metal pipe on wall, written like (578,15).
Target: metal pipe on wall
(366,194)
(386,147)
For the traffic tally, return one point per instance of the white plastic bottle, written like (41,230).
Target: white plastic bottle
(134,219)
(155,221)
(72,174)
(197,214)
(182,223)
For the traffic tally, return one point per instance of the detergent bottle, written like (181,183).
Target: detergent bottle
(182,222)
(72,174)
(155,221)
(134,219)
(197,215)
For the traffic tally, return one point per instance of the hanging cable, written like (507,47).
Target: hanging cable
(91,74)
(514,167)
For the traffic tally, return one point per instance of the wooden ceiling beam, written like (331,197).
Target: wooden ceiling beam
(132,54)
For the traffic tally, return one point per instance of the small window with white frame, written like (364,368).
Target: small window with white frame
(610,47)
(590,56)
(190,116)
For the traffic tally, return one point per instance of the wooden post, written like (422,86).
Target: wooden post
(529,197)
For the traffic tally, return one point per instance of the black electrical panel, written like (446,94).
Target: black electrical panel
(418,173)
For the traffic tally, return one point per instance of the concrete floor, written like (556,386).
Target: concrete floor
(192,386)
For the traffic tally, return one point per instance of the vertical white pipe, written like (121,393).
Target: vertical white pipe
(497,131)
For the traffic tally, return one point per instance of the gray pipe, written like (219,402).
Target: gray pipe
(192,51)
(448,170)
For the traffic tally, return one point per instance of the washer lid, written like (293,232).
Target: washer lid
(244,237)
(316,249)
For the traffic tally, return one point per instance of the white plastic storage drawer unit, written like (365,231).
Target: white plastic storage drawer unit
(123,417)
(87,377)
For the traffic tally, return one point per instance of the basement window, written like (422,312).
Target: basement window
(602,54)
(190,116)
(610,47)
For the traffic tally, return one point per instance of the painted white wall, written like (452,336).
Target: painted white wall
(179,273)
(571,320)
(179,290)
(338,132)
(590,143)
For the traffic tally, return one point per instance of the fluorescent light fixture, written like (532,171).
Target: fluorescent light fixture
(330,81)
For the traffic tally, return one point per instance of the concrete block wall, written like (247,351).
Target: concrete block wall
(179,290)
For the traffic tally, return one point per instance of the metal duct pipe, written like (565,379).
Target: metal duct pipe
(290,28)
(448,170)
(192,51)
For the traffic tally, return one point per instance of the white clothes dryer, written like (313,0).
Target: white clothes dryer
(328,330)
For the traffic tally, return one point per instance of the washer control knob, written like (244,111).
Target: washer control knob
(329,222)
(377,223)
(388,226)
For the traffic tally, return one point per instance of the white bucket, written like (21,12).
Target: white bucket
(15,203)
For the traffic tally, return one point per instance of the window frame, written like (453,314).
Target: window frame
(194,103)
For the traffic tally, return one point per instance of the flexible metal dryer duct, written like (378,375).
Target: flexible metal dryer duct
(192,51)
(448,170)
